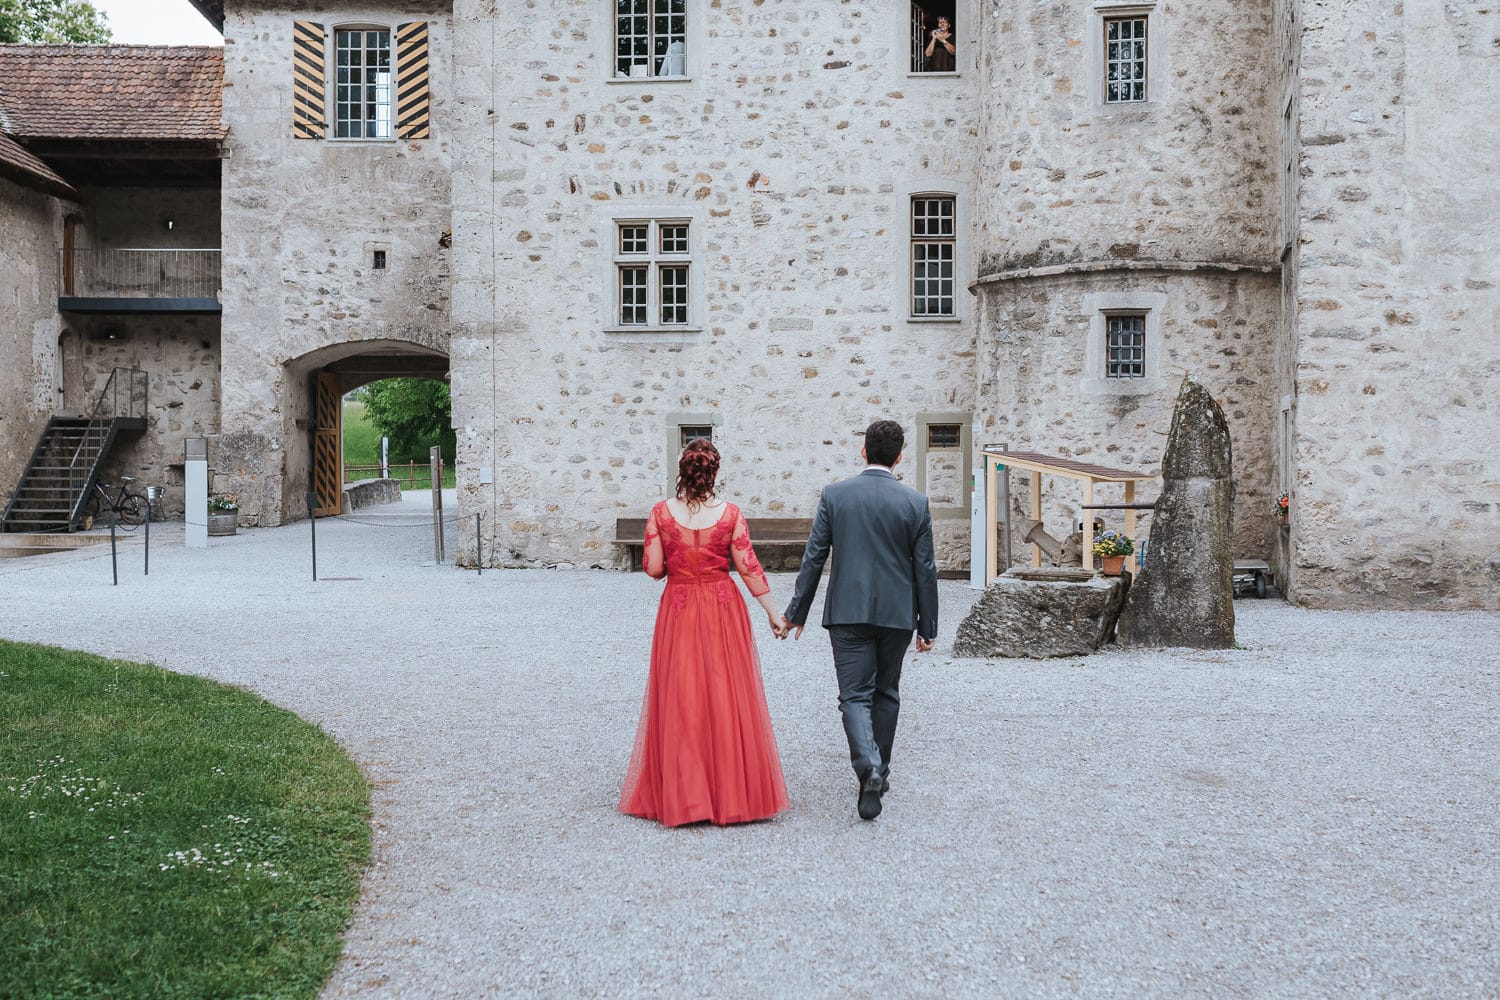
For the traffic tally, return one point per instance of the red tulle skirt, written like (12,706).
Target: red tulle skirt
(704,749)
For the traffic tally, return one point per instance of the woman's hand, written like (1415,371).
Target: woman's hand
(779,626)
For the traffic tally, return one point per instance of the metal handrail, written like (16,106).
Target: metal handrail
(111,394)
(140,272)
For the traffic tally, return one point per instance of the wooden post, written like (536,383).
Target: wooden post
(1086,539)
(435,461)
(1134,559)
(1036,515)
(991,521)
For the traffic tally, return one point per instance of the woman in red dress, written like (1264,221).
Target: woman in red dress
(704,750)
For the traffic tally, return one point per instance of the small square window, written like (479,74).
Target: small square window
(696,432)
(943,436)
(1125,346)
(633,238)
(674,237)
(378,261)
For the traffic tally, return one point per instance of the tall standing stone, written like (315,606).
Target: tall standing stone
(1184,595)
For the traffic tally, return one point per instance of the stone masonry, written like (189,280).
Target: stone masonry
(1298,215)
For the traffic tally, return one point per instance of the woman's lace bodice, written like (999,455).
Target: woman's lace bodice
(690,555)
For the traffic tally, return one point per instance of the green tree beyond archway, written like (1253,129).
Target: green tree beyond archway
(415,413)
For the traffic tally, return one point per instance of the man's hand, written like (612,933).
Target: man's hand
(796,631)
(924,645)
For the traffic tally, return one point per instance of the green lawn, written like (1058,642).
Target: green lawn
(166,836)
(362,447)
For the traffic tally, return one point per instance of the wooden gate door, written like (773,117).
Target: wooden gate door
(328,443)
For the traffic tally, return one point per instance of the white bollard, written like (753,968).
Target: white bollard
(977,508)
(195,490)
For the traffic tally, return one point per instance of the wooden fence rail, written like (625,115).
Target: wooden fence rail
(414,473)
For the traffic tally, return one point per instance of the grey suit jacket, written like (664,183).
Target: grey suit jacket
(883,571)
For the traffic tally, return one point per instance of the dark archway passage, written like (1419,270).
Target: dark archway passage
(315,438)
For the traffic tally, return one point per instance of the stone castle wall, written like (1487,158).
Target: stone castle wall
(1397,495)
(793,149)
(1088,208)
(302,219)
(1037,395)
(30,236)
(181,356)
(1184,176)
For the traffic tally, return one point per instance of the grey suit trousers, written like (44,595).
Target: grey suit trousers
(868,661)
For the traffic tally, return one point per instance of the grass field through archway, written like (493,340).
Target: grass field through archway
(166,836)
(362,450)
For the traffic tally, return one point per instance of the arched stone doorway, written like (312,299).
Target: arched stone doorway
(313,415)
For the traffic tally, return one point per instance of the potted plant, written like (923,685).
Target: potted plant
(1112,547)
(223,514)
(1283,509)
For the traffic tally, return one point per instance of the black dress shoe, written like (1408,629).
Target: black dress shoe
(870,789)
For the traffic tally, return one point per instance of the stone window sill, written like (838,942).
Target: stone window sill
(351,141)
(646,80)
(934,76)
(654,334)
(934,319)
(1111,387)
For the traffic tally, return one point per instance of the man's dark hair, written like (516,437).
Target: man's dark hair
(884,440)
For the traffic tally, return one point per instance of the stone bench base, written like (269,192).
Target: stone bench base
(1037,620)
(369,492)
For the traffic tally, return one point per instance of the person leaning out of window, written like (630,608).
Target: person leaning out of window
(940,51)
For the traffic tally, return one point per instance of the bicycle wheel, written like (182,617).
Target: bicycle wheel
(132,511)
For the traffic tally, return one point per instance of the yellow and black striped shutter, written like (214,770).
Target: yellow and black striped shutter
(413,88)
(309,97)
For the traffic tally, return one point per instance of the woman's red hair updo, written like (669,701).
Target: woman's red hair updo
(696,472)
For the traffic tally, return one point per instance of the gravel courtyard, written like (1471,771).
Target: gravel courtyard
(1313,814)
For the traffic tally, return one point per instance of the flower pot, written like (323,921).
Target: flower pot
(222,522)
(1112,565)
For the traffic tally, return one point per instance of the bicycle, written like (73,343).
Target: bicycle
(129,509)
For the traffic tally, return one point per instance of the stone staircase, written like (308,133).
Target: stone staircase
(57,481)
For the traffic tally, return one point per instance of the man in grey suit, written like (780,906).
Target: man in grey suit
(883,586)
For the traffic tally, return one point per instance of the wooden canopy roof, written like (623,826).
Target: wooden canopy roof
(1035,461)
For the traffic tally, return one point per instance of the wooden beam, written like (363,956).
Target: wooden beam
(1052,470)
(1086,519)
(1036,514)
(991,520)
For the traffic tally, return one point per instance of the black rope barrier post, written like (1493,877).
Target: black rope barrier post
(148,534)
(114,562)
(312,519)
(478,544)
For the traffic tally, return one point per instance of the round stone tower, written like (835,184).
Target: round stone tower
(1128,230)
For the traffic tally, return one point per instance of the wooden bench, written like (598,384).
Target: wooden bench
(779,541)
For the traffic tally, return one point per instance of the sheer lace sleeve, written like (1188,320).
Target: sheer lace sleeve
(744,558)
(654,561)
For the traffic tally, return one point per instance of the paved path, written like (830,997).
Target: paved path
(1313,814)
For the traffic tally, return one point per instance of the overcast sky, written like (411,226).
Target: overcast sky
(158,22)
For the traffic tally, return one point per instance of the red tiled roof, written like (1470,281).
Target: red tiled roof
(19,162)
(104,92)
